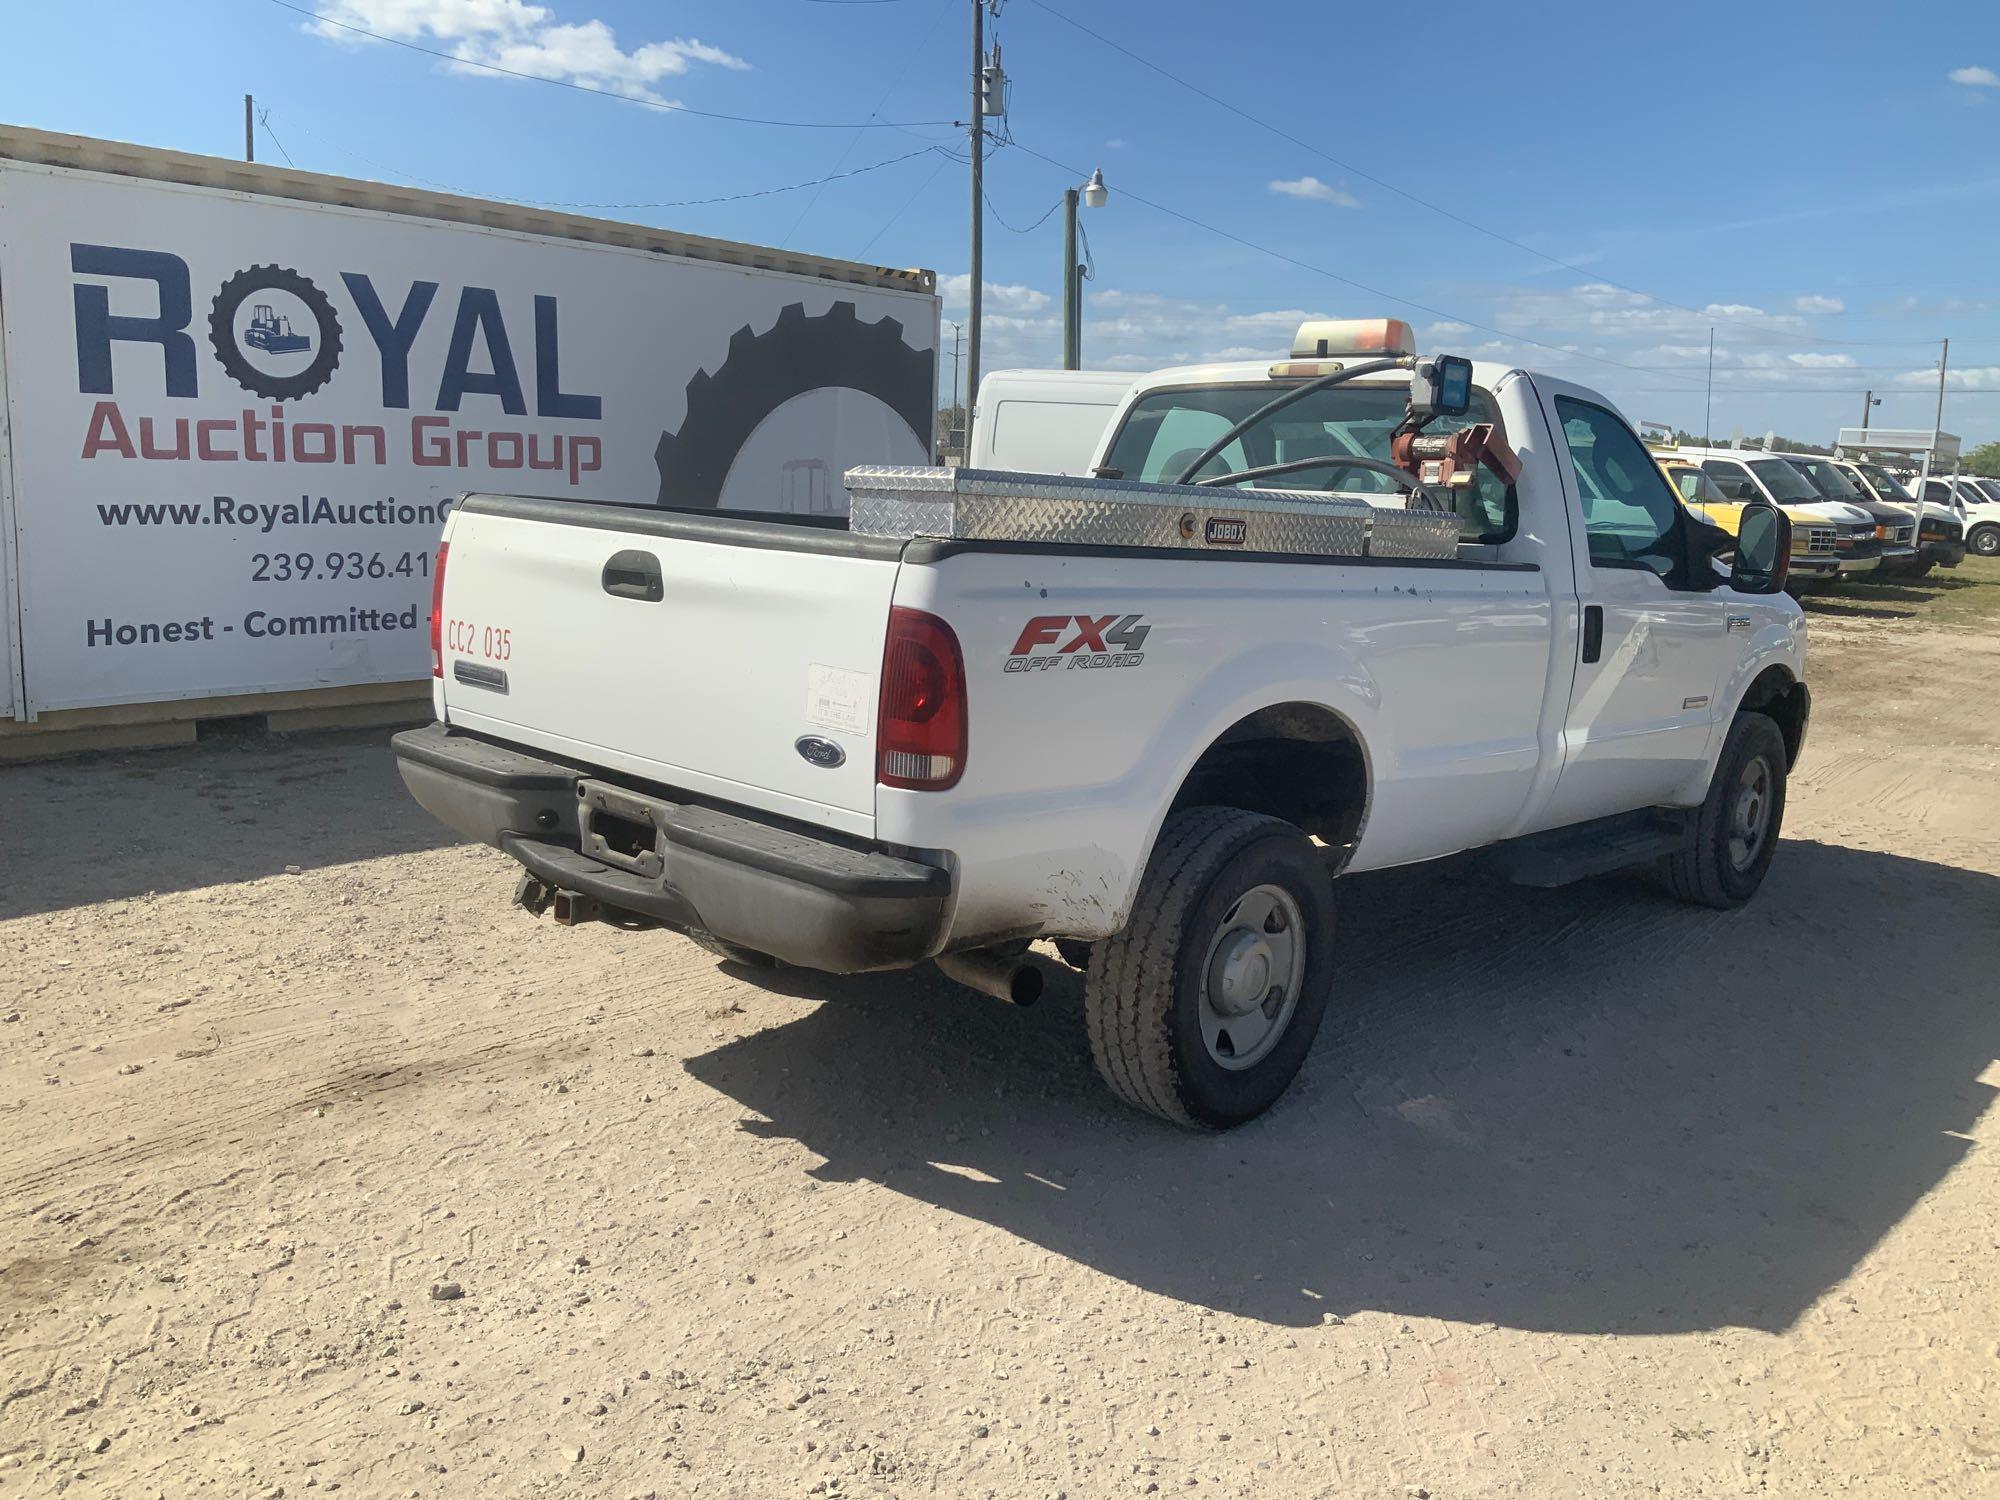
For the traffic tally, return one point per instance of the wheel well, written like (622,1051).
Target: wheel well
(1298,761)
(1777,694)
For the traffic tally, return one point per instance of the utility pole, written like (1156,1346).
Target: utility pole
(249,128)
(1937,428)
(1072,353)
(1708,404)
(955,425)
(1867,402)
(978,146)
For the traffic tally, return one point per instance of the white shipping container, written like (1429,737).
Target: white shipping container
(239,401)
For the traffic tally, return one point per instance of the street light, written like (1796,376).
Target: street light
(1093,194)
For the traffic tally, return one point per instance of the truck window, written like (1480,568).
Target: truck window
(1886,484)
(1166,430)
(1786,484)
(1828,480)
(1731,478)
(1630,513)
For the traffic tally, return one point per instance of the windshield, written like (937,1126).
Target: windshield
(1828,480)
(1697,488)
(1786,484)
(1165,431)
(1886,484)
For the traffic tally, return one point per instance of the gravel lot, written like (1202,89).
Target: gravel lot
(321,1169)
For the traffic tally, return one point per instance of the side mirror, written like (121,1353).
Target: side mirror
(1763,550)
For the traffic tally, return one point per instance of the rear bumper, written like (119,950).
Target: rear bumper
(759,884)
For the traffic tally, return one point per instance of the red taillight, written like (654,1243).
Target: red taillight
(920,735)
(437,612)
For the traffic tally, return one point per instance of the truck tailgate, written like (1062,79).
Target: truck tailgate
(690,650)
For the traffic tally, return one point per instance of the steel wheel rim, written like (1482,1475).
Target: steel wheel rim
(1986,543)
(1251,977)
(1750,813)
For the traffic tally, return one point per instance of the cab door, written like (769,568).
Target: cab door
(1653,628)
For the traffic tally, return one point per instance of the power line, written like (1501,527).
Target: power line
(1421,201)
(770,192)
(1360,286)
(585,88)
(937,15)
(264,119)
(1014,229)
(946,159)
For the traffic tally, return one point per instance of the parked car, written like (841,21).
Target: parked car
(1814,557)
(1745,474)
(1332,620)
(1981,499)
(1942,538)
(1895,528)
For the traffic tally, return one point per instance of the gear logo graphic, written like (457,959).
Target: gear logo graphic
(275,334)
(762,371)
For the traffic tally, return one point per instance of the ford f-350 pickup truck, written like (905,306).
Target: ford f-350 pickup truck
(1338,613)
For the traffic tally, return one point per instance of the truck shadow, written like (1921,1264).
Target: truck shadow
(1589,1110)
(105,827)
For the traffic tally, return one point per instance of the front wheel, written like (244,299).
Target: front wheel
(1203,1008)
(1733,834)
(1985,541)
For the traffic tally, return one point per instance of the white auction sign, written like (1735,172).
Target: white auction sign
(237,422)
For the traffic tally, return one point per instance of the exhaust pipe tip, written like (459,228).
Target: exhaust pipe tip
(1013,977)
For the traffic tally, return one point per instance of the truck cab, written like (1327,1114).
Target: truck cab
(1980,498)
(1941,539)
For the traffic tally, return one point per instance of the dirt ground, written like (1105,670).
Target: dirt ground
(321,1169)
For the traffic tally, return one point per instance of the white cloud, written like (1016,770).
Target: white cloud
(524,38)
(1313,189)
(1000,297)
(1983,376)
(1116,143)
(1123,330)
(1822,361)
(1612,312)
(1975,78)
(1816,304)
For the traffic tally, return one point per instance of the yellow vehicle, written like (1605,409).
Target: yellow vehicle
(1815,537)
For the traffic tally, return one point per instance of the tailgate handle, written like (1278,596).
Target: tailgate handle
(634,575)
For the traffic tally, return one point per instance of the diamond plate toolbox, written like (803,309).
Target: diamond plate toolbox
(987,505)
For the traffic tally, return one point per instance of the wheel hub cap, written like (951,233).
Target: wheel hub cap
(1750,814)
(1252,976)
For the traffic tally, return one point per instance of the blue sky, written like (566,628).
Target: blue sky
(1633,175)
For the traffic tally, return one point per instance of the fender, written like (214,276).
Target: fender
(1260,677)
(1778,639)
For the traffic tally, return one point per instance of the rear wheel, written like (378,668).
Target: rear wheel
(1985,541)
(1734,833)
(1202,1010)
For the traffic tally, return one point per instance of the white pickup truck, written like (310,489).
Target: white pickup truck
(1150,719)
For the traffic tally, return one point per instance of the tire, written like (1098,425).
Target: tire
(750,958)
(1719,866)
(1157,1033)
(1917,570)
(1985,541)
(1075,952)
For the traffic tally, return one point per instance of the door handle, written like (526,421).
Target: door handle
(1593,631)
(634,575)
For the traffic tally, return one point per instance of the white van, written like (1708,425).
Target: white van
(1752,474)
(1043,421)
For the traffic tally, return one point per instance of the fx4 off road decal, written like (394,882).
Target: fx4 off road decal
(1061,643)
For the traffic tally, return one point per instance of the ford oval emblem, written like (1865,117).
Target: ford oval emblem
(823,753)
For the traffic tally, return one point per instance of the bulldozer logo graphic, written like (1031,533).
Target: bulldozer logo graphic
(275,333)
(754,424)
